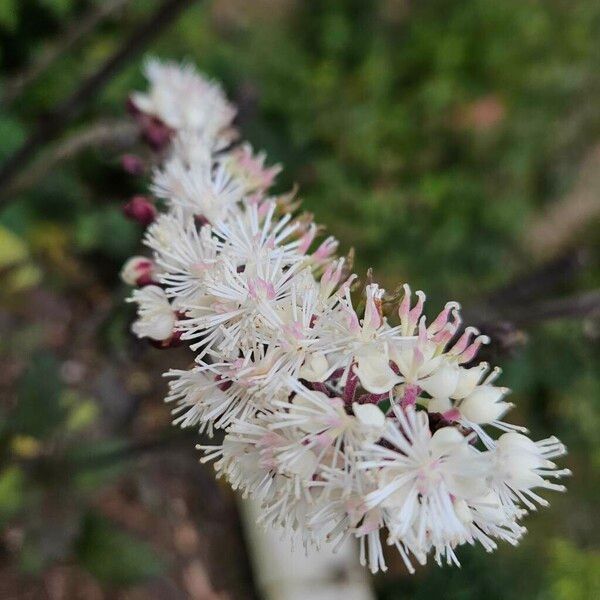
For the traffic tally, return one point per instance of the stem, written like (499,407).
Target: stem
(75,33)
(113,134)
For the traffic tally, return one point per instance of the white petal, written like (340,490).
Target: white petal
(467,380)
(369,414)
(442,383)
(375,373)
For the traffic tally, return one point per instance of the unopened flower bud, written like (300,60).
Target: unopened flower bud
(132,164)
(484,404)
(131,107)
(138,270)
(140,209)
(156,133)
(171,342)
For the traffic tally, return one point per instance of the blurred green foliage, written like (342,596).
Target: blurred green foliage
(428,135)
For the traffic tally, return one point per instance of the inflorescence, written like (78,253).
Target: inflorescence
(344,411)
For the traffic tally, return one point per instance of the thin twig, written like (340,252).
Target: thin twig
(78,30)
(578,306)
(541,280)
(117,135)
(51,127)
(564,220)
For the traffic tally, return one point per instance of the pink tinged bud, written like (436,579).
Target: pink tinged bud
(132,164)
(307,239)
(326,249)
(404,307)
(138,270)
(470,353)
(199,268)
(156,134)
(345,287)
(463,340)
(140,209)
(442,319)
(417,310)
(270,174)
(445,335)
(373,307)
(370,524)
(352,320)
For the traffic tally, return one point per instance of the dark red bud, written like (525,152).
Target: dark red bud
(156,133)
(131,108)
(173,341)
(145,279)
(132,164)
(140,209)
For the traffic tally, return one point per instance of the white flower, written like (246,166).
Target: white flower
(421,476)
(368,344)
(182,99)
(522,465)
(184,256)
(340,422)
(250,168)
(253,232)
(244,307)
(156,318)
(202,192)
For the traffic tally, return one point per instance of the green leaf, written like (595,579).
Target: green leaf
(8,15)
(39,410)
(58,7)
(114,556)
(12,249)
(11,492)
(98,463)
(575,572)
(12,133)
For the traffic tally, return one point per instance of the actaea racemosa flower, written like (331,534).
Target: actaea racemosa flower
(345,412)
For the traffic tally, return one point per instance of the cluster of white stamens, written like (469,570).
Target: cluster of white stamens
(341,409)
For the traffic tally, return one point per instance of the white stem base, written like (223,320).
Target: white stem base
(285,574)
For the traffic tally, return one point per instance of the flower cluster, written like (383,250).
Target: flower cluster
(342,408)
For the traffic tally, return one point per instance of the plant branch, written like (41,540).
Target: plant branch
(117,135)
(64,113)
(74,34)
(581,305)
(564,220)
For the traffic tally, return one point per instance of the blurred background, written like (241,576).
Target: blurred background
(455,145)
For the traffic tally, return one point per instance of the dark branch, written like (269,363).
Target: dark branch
(51,127)
(578,306)
(117,135)
(74,34)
